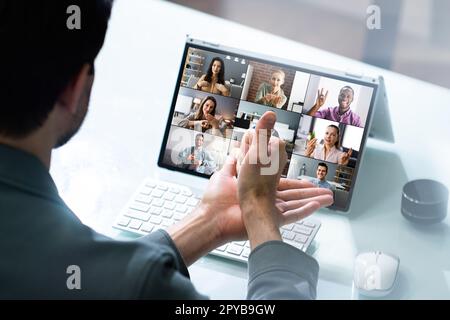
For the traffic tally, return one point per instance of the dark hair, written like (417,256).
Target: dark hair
(199,113)
(336,144)
(221,76)
(348,88)
(41,55)
(199,135)
(323,164)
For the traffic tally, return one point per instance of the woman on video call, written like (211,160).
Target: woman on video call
(329,151)
(271,94)
(214,80)
(204,118)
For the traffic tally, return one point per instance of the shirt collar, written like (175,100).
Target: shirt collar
(346,113)
(25,171)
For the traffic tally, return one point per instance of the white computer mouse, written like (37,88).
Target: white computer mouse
(375,273)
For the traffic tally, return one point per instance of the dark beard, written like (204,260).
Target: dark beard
(78,118)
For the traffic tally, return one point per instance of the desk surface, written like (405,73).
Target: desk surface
(119,143)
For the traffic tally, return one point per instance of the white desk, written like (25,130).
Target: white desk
(120,140)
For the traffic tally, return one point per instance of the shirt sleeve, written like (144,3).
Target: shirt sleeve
(324,114)
(185,122)
(277,270)
(165,276)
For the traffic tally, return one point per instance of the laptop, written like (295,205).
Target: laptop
(325,137)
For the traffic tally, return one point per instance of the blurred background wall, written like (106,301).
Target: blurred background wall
(414,38)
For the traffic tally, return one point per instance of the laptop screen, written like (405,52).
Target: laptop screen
(221,93)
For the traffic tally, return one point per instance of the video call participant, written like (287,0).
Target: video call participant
(197,159)
(204,118)
(341,113)
(329,151)
(271,94)
(321,174)
(214,79)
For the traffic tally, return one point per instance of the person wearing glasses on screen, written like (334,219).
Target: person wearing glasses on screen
(214,79)
(341,113)
(271,94)
(329,151)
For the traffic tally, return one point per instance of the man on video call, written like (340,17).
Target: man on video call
(196,158)
(45,82)
(341,113)
(321,174)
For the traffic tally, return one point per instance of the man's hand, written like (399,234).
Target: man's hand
(218,218)
(321,98)
(320,101)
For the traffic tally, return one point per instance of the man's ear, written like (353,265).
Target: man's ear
(71,94)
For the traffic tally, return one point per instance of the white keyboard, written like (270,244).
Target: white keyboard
(158,205)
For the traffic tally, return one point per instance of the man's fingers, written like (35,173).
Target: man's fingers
(297,214)
(264,128)
(286,184)
(324,200)
(298,194)
(229,168)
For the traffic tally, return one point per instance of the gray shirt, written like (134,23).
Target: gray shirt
(40,237)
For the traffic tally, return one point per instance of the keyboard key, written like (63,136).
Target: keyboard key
(186,193)
(288,227)
(144,216)
(157,202)
(140,206)
(146,190)
(169,205)
(167,214)
(180,199)
(150,184)
(247,244)
(301,238)
(240,243)
(192,202)
(309,224)
(162,187)
(155,220)
(147,227)
(169,196)
(246,252)
(289,235)
(303,230)
(143,198)
(234,249)
(174,190)
(222,248)
(178,216)
(123,221)
(166,223)
(135,224)
(181,208)
(157,193)
(155,210)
